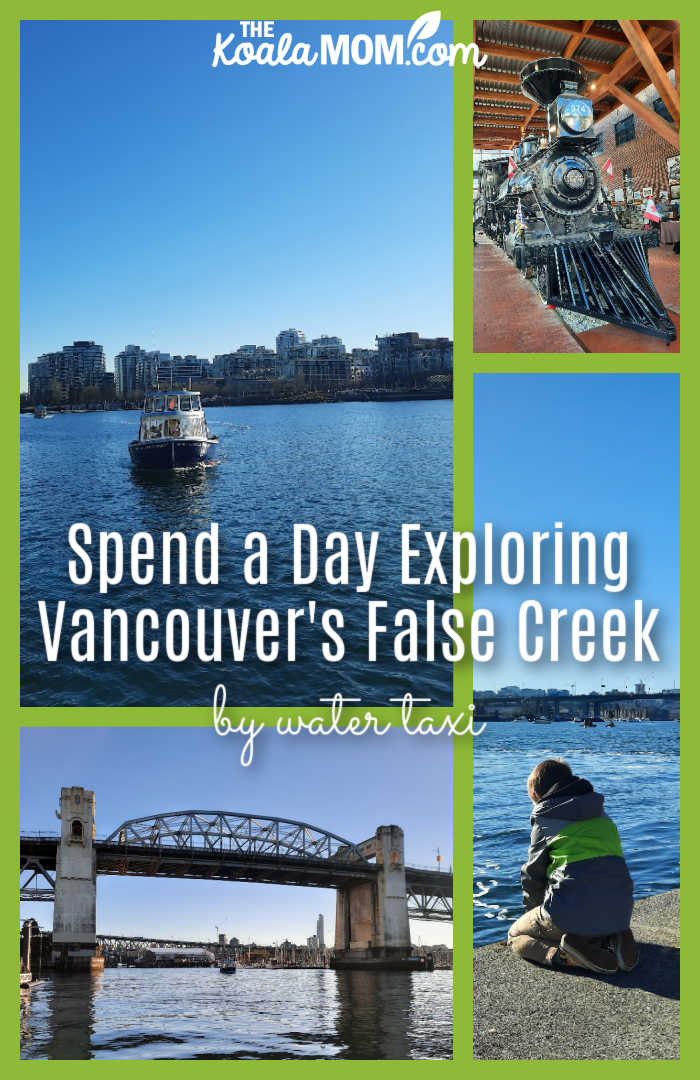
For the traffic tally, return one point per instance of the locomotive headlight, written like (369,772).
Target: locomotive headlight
(576,115)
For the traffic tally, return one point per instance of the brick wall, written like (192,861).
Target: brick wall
(646,154)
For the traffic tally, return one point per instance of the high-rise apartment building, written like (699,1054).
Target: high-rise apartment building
(406,354)
(60,376)
(287,339)
(129,367)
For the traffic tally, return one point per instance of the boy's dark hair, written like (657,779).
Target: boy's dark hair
(547,773)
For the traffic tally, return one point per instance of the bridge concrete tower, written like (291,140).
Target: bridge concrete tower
(371,917)
(74,911)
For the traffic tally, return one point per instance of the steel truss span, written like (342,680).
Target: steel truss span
(433,907)
(35,881)
(225,832)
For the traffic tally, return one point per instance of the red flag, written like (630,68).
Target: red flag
(608,167)
(511,166)
(651,212)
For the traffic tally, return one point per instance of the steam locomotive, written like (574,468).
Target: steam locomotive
(554,219)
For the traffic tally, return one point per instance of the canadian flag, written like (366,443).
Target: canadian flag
(650,211)
(511,166)
(608,167)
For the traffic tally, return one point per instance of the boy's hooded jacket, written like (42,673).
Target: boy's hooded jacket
(575,867)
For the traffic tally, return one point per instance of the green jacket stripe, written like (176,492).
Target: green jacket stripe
(590,839)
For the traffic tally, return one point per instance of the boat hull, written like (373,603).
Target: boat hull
(172,453)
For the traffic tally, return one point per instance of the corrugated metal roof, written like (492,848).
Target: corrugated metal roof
(492,83)
(522,36)
(598,50)
(498,107)
(504,63)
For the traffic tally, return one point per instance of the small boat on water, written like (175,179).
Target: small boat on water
(227,967)
(173,432)
(40,412)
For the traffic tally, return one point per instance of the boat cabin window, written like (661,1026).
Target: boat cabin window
(158,403)
(151,428)
(155,427)
(185,403)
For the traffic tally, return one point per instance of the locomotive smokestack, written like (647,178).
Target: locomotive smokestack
(544,80)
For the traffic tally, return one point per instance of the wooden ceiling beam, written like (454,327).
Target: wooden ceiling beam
(598,33)
(652,65)
(529,119)
(576,39)
(615,104)
(662,24)
(625,65)
(643,83)
(649,116)
(486,118)
(496,95)
(569,26)
(515,112)
(677,58)
(508,78)
(500,132)
(511,52)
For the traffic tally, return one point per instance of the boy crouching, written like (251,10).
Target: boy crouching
(577,890)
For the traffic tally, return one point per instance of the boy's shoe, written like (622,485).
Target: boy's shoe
(560,961)
(588,954)
(626,950)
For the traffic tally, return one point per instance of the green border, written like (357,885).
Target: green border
(466,364)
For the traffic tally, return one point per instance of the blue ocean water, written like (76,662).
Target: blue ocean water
(256,1015)
(350,466)
(636,766)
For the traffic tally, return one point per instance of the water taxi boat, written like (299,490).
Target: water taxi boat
(41,412)
(227,967)
(173,433)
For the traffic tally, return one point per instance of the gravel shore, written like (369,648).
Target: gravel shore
(522,1011)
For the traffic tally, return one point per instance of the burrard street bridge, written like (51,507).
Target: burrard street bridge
(376,893)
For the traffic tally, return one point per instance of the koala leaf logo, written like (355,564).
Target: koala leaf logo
(424,27)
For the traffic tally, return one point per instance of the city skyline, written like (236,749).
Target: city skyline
(215,205)
(304,779)
(622,686)
(83,364)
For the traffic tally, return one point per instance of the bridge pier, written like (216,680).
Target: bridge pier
(371,919)
(74,911)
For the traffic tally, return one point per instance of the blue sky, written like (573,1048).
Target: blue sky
(192,209)
(597,452)
(346,785)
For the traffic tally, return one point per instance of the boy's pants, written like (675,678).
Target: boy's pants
(534,935)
